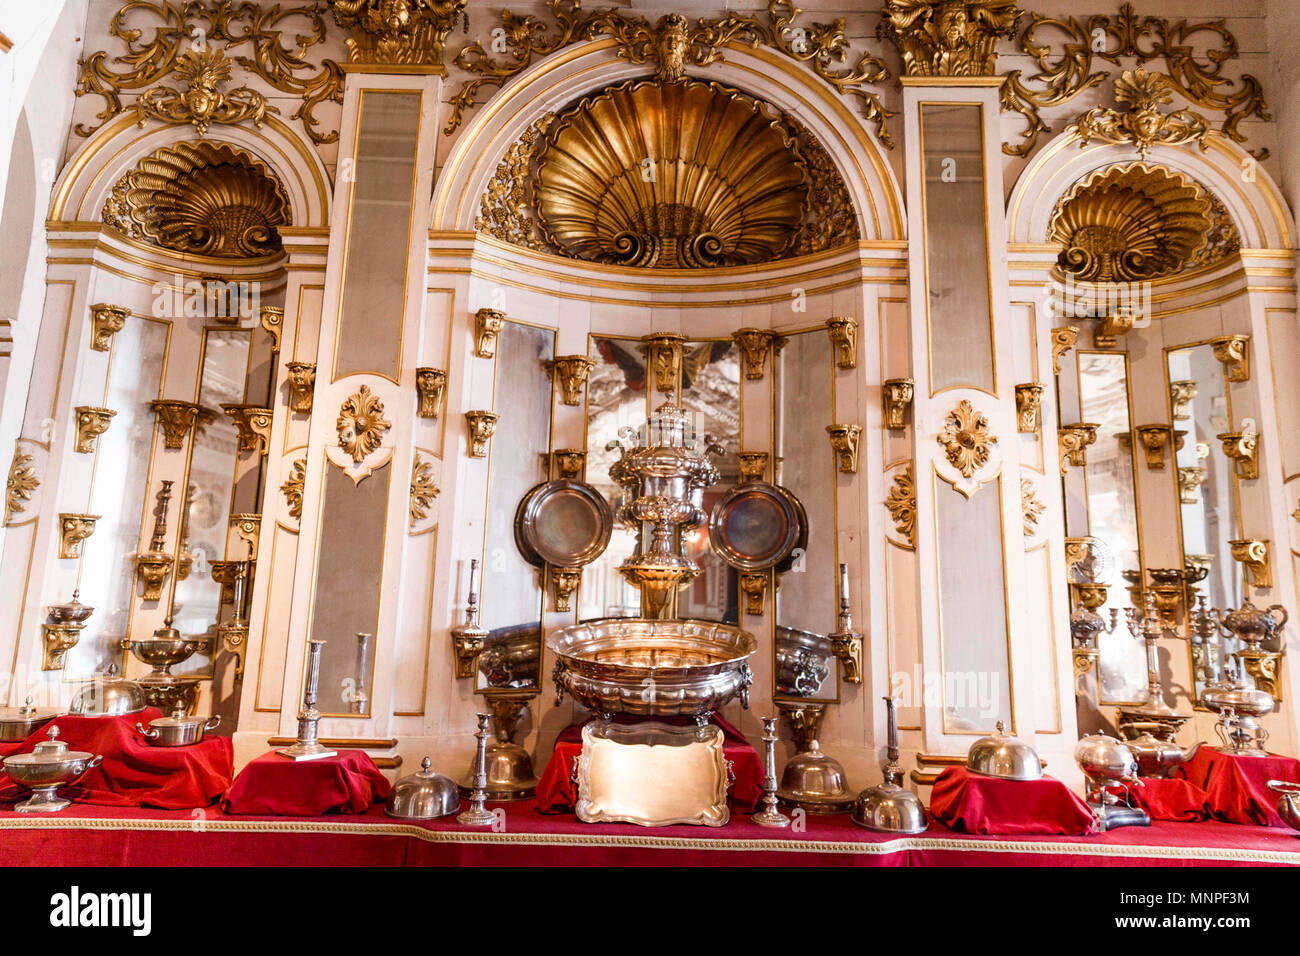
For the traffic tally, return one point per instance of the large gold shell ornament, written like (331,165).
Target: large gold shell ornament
(1129,223)
(671,175)
(204,198)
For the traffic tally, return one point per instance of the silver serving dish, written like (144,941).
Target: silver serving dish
(19,723)
(108,696)
(178,730)
(49,766)
(423,796)
(890,808)
(756,526)
(1002,755)
(563,523)
(652,667)
(803,661)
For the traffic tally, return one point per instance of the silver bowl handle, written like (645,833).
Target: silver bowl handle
(151,734)
(212,722)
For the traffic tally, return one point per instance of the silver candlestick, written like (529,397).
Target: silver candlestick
(770,816)
(478,815)
(308,747)
(360,702)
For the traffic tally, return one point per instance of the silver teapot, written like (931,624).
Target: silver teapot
(1156,757)
(1252,625)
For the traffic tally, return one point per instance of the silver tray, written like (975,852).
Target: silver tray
(757,526)
(652,774)
(563,523)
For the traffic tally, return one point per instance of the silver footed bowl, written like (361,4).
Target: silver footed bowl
(653,668)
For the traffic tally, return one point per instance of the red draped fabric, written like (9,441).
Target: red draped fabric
(1236,786)
(133,773)
(1171,799)
(271,785)
(971,803)
(555,786)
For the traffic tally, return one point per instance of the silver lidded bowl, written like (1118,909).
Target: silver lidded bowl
(49,766)
(1005,756)
(178,730)
(108,695)
(653,668)
(423,796)
(19,723)
(815,782)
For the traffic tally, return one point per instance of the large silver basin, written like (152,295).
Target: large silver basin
(652,668)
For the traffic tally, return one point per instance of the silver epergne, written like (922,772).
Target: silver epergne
(770,816)
(479,815)
(308,747)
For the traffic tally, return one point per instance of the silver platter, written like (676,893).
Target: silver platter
(757,526)
(563,523)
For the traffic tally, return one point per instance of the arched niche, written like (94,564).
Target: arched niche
(559,80)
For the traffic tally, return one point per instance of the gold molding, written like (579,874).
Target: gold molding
(176,419)
(1234,352)
(482,426)
(488,324)
(74,529)
(423,489)
(203,102)
(1142,124)
(1029,407)
(1154,438)
(844,441)
(361,424)
(755,345)
(571,373)
(302,386)
(105,322)
(91,422)
(20,485)
(896,397)
(948,38)
(1255,556)
(901,504)
(431,386)
(843,332)
(966,439)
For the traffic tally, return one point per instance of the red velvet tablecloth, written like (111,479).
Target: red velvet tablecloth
(1171,799)
(271,785)
(555,786)
(133,773)
(1236,787)
(971,803)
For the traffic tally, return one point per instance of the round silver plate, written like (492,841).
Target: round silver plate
(563,523)
(756,526)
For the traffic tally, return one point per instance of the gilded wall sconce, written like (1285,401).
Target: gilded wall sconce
(1074,441)
(753,465)
(571,372)
(431,385)
(1154,438)
(73,530)
(1029,407)
(253,423)
(272,319)
(966,439)
(467,639)
(844,440)
(488,324)
(1262,666)
(1242,448)
(665,359)
(1105,335)
(1253,553)
(846,642)
(569,463)
(105,322)
(754,586)
(844,339)
(1063,339)
(1190,478)
(302,385)
(896,396)
(482,426)
(91,422)
(564,581)
(1180,399)
(1234,352)
(176,418)
(755,344)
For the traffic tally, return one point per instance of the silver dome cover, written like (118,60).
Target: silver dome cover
(423,796)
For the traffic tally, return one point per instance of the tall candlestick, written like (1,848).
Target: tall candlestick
(479,815)
(308,747)
(770,816)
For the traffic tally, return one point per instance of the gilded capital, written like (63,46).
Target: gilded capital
(948,37)
(398,32)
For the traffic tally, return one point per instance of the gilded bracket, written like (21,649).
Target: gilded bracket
(176,418)
(753,465)
(1254,554)
(1263,667)
(1154,438)
(1085,659)
(843,332)
(564,581)
(302,386)
(1063,339)
(569,463)
(1029,407)
(571,372)
(1242,448)
(665,359)
(468,638)
(844,441)
(1234,352)
(1180,398)
(488,324)
(431,386)
(91,422)
(1106,333)
(1190,477)
(105,322)
(1074,441)
(896,398)
(152,569)
(73,530)
(248,528)
(272,319)
(754,586)
(234,639)
(254,425)
(482,426)
(57,640)
(755,344)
